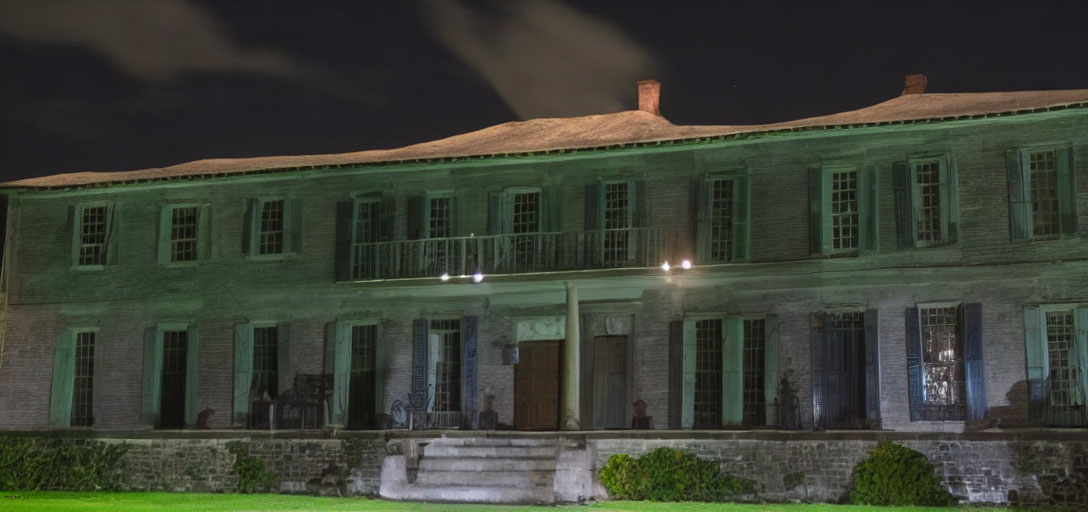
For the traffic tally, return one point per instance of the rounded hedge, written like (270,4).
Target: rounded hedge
(896,475)
(670,475)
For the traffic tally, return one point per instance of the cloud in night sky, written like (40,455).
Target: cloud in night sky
(544,58)
(150,40)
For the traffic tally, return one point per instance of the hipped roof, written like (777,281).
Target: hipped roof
(595,131)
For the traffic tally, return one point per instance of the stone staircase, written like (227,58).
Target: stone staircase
(480,470)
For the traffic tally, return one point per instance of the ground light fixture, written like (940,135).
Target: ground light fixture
(478,276)
(445,276)
(665,266)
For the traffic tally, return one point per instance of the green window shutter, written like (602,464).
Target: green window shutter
(204,232)
(1037,362)
(71,257)
(592,211)
(250,227)
(344,238)
(192,376)
(732,372)
(460,219)
(867,210)
(872,365)
(165,223)
(418,213)
(111,234)
(469,369)
(641,203)
(284,374)
(953,200)
(243,372)
(1081,359)
(328,365)
(702,222)
(687,409)
(495,222)
(741,218)
(819,338)
(152,377)
(816,236)
(64,367)
(341,374)
(379,371)
(676,372)
(971,314)
(551,216)
(904,205)
(770,366)
(914,363)
(1067,192)
(1019,198)
(294,225)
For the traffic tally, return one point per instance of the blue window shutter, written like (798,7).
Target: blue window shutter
(192,376)
(972,348)
(676,372)
(418,214)
(815,211)
(418,397)
(64,366)
(770,367)
(284,374)
(741,218)
(341,377)
(165,223)
(872,366)
(152,377)
(1036,364)
(471,327)
(294,224)
(1067,192)
(953,203)
(904,210)
(914,363)
(344,238)
(867,210)
(204,232)
(820,334)
(687,409)
(243,372)
(732,372)
(1019,198)
(1082,354)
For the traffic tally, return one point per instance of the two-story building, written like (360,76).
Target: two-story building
(913,265)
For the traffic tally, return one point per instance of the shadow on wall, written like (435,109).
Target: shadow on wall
(1013,415)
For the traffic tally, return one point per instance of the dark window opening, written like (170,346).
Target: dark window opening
(266,384)
(362,397)
(708,374)
(175,345)
(447,389)
(755,398)
(83,393)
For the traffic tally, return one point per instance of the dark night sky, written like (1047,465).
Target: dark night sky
(117,85)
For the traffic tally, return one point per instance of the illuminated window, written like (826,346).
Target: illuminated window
(943,382)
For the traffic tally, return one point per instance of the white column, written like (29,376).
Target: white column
(571,364)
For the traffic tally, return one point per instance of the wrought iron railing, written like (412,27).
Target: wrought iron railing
(512,253)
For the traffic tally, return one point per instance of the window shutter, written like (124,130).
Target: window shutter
(1019,198)
(972,348)
(1082,352)
(111,235)
(914,363)
(64,367)
(593,192)
(418,398)
(294,224)
(770,367)
(71,245)
(249,227)
(418,213)
(741,209)
(732,372)
(192,375)
(1067,192)
(872,365)
(165,224)
(687,409)
(152,377)
(494,213)
(953,209)
(867,210)
(470,324)
(387,225)
(815,211)
(702,222)
(204,232)
(341,376)
(819,367)
(904,205)
(641,204)
(676,372)
(284,374)
(1037,359)
(344,249)
(243,372)
(552,214)
(379,371)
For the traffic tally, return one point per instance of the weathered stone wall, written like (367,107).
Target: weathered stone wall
(1030,468)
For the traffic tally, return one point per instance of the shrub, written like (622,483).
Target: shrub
(670,475)
(896,475)
(252,476)
(41,464)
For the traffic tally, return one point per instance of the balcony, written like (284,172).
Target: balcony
(512,253)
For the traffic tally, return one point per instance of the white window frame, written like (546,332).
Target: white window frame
(945,195)
(77,234)
(827,221)
(428,213)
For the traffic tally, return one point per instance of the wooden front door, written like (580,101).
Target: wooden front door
(536,385)
(610,382)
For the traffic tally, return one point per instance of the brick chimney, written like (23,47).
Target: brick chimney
(915,84)
(649,96)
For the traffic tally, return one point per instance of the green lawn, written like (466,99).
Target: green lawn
(159,501)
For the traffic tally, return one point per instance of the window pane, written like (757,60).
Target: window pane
(708,374)
(943,393)
(92,238)
(83,396)
(617,218)
(439,224)
(1060,334)
(929,196)
(844,210)
(265,363)
(721,221)
(447,389)
(1044,193)
(272,227)
(183,233)
(755,400)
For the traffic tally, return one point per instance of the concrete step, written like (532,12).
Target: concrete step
(519,479)
(495,441)
(486,464)
(481,494)
(513,452)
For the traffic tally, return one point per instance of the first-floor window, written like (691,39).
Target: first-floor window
(755,402)
(708,374)
(83,390)
(1062,358)
(175,347)
(729,373)
(266,383)
(446,352)
(943,384)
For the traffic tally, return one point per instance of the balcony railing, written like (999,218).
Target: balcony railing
(512,253)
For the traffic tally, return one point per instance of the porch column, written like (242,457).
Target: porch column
(571,364)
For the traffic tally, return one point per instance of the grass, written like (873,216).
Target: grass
(20,501)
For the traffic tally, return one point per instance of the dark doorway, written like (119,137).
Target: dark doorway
(362,392)
(175,345)
(846,371)
(610,382)
(536,385)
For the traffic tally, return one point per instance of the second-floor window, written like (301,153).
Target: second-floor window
(93,227)
(722,220)
(273,227)
(439,218)
(184,233)
(843,213)
(925,202)
(1042,193)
